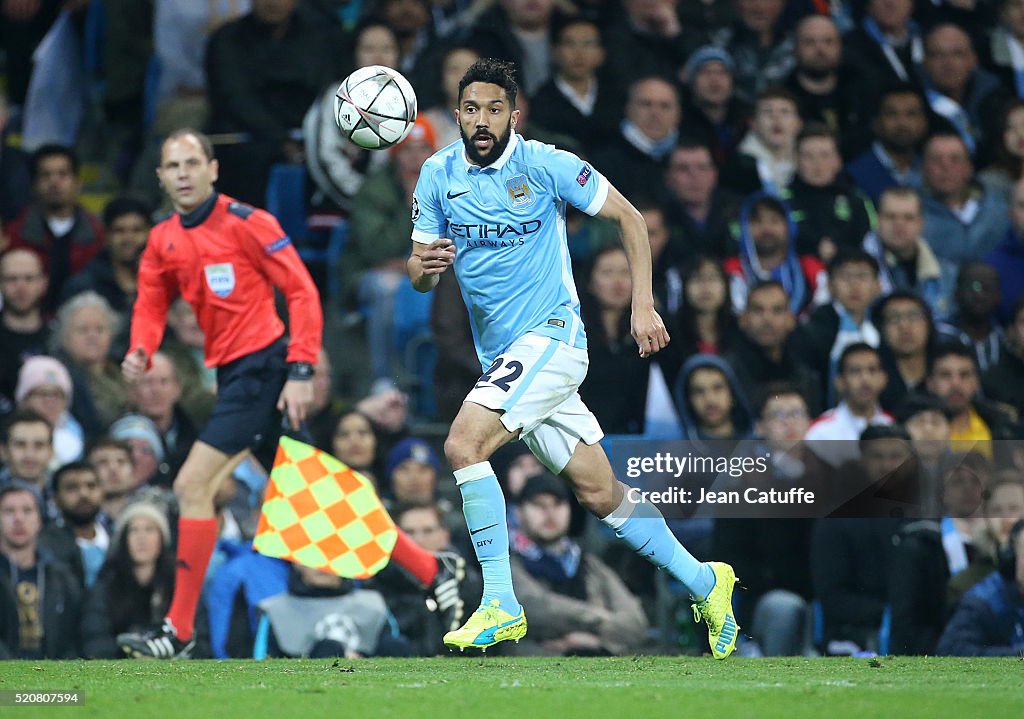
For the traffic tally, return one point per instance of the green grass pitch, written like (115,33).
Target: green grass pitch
(486,687)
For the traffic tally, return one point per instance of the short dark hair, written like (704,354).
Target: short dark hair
(816,129)
(915,403)
(854,349)
(883,431)
(560,22)
(52,150)
(776,92)
(108,442)
(951,348)
(852,256)
(901,191)
(204,141)
(23,416)
(949,134)
(772,204)
(878,309)
(64,470)
(18,485)
(433,507)
(777,388)
(688,142)
(493,71)
(125,205)
(970,265)
(762,285)
(898,88)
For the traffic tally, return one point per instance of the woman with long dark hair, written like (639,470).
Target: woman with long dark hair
(615,389)
(134,588)
(704,323)
(1008,167)
(355,443)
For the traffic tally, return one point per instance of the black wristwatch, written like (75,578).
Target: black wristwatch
(300,371)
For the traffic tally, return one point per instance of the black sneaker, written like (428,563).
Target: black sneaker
(160,643)
(443,594)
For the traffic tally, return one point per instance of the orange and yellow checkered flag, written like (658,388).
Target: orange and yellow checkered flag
(323,514)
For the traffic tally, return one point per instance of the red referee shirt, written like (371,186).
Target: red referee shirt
(225,258)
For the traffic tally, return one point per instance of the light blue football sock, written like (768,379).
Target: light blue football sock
(483,504)
(643,528)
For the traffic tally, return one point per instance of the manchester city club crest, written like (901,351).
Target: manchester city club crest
(519,192)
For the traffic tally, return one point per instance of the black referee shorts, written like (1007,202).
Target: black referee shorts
(245,415)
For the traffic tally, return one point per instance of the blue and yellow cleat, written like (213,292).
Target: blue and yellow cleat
(716,610)
(486,627)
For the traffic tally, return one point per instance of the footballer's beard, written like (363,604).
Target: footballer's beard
(498,145)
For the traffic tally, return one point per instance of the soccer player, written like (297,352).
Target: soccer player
(224,258)
(493,207)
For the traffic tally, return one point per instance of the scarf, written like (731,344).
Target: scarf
(558,564)
(916,47)
(849,332)
(956,548)
(790,273)
(657,149)
(1015,55)
(953,111)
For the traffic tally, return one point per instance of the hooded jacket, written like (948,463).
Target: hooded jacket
(803,277)
(742,418)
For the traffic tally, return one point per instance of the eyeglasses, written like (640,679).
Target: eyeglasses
(48,393)
(854,276)
(787,416)
(895,318)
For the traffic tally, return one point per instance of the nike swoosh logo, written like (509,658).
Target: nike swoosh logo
(457,194)
(474,531)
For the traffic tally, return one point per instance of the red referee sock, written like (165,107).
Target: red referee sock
(196,540)
(415,559)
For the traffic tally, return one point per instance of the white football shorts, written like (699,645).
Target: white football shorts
(534,384)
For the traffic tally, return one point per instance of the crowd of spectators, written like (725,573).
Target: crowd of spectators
(834,195)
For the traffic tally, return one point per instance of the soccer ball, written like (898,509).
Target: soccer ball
(375,107)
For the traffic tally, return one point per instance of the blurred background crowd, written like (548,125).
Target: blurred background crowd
(834,193)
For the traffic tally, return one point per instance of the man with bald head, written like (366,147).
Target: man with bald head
(639,156)
(156,395)
(963,220)
(23,331)
(819,81)
(958,91)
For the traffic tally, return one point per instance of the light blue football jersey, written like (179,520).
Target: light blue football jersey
(507,221)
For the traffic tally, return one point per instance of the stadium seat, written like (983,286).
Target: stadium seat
(286,200)
(258,577)
(94,32)
(321,247)
(150,88)
(414,344)
(885,631)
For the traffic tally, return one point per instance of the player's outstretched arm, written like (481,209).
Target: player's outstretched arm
(646,325)
(427,262)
